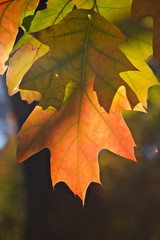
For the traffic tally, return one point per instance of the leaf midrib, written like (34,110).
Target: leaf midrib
(82,87)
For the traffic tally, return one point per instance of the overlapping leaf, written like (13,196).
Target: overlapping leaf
(25,53)
(142,8)
(83,44)
(83,56)
(137,49)
(115,11)
(76,134)
(76,82)
(11,15)
(118,12)
(56,11)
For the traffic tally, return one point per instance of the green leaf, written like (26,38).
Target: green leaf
(27,22)
(138,48)
(82,45)
(56,10)
(114,11)
(25,53)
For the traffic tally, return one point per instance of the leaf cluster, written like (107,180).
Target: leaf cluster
(83,62)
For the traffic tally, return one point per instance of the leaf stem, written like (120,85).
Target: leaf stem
(61,11)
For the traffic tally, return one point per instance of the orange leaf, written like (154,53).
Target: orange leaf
(11,15)
(75,134)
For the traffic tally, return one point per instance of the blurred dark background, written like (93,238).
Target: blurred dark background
(127,206)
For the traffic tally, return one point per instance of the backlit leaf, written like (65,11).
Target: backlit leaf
(83,56)
(80,47)
(11,16)
(25,53)
(75,135)
(118,12)
(30,96)
(114,11)
(56,10)
(137,49)
(81,69)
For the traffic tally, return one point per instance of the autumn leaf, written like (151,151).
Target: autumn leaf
(137,48)
(139,39)
(83,44)
(56,11)
(79,87)
(75,135)
(114,11)
(83,56)
(24,54)
(11,16)
(142,8)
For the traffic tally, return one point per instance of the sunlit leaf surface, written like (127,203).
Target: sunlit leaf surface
(25,53)
(56,10)
(115,11)
(76,134)
(83,57)
(84,44)
(11,16)
(83,72)
(138,48)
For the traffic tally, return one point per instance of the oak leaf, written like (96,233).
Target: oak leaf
(75,134)
(114,11)
(11,16)
(83,57)
(82,44)
(137,48)
(138,39)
